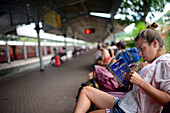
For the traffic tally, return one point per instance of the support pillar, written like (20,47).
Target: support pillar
(7,53)
(65,46)
(25,51)
(37,28)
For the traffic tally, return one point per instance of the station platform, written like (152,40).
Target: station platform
(17,66)
(50,91)
(9,69)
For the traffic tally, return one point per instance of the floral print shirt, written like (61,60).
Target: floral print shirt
(158,75)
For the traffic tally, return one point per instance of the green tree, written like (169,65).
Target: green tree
(138,27)
(167,42)
(137,10)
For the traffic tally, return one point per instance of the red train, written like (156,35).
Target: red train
(17,52)
(3,56)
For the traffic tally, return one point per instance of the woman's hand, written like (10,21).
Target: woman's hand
(133,67)
(135,78)
(137,67)
(142,64)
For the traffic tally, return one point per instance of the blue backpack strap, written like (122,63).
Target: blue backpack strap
(130,55)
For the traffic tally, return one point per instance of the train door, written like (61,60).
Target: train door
(19,52)
(3,57)
(31,51)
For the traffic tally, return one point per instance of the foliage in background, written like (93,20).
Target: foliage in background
(138,27)
(130,44)
(28,39)
(139,9)
(5,38)
(162,20)
(9,38)
(164,25)
(122,36)
(167,42)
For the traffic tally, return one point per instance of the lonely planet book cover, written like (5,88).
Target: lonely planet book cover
(120,71)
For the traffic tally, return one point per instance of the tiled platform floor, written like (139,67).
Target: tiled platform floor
(51,91)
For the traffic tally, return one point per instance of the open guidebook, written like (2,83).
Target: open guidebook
(120,71)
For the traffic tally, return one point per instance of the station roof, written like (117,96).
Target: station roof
(71,17)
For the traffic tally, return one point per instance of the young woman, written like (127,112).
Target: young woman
(151,88)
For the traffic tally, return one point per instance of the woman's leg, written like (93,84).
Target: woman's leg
(99,98)
(99,111)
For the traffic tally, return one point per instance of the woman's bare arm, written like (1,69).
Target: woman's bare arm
(159,96)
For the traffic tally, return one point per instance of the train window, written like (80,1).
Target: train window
(29,50)
(19,51)
(2,52)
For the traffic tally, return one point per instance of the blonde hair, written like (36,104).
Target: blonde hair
(153,26)
(150,34)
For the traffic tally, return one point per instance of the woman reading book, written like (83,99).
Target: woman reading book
(151,89)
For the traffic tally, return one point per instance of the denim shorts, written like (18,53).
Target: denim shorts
(116,108)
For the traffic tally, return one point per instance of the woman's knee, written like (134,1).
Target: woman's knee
(86,89)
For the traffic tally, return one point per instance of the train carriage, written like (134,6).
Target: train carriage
(48,50)
(16,50)
(3,54)
(31,51)
(19,52)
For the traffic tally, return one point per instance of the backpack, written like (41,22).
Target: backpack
(105,79)
(131,55)
(57,61)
